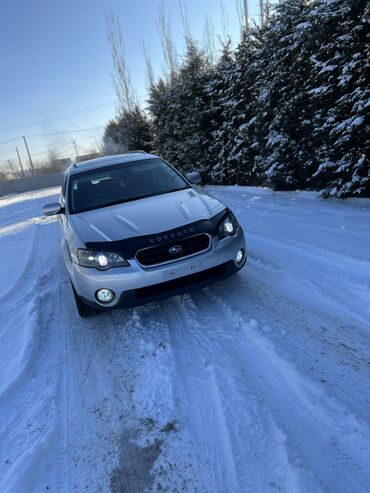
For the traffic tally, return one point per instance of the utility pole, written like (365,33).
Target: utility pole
(74,143)
(29,155)
(246,13)
(20,162)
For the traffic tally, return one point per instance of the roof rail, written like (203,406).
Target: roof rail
(135,152)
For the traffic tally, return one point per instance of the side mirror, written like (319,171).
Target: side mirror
(52,209)
(194,178)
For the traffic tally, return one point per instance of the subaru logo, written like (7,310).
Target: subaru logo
(175,249)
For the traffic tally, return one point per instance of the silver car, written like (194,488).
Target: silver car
(136,230)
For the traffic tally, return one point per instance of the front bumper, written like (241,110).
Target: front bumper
(135,285)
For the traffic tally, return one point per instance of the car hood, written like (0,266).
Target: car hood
(145,216)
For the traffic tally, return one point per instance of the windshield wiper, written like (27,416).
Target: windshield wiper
(131,199)
(178,189)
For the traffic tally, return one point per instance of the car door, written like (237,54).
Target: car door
(64,222)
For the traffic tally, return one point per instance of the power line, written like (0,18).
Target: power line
(48,119)
(56,146)
(67,132)
(65,147)
(51,149)
(33,147)
(54,133)
(38,154)
(45,135)
(10,140)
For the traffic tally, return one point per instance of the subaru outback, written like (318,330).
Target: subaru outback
(136,230)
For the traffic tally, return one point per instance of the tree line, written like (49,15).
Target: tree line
(288,107)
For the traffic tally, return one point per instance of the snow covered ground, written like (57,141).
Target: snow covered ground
(256,384)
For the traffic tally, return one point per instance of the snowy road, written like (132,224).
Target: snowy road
(256,384)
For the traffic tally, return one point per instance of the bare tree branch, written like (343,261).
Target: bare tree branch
(262,11)
(185,22)
(168,47)
(121,78)
(209,40)
(149,67)
(243,13)
(224,23)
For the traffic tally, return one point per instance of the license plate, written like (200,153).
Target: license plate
(183,270)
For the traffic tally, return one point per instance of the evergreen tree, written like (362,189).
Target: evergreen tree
(283,113)
(131,130)
(287,108)
(179,110)
(111,139)
(243,147)
(340,88)
(218,89)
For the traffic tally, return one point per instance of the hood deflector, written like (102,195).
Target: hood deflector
(128,247)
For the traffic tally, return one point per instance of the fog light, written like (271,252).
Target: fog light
(239,257)
(104,295)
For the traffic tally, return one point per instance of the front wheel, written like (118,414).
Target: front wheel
(83,310)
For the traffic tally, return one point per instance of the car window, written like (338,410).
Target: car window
(121,183)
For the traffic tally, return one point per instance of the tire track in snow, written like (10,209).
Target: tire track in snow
(22,313)
(62,463)
(28,269)
(330,432)
(259,446)
(29,402)
(259,423)
(29,407)
(180,465)
(330,269)
(101,420)
(339,339)
(210,382)
(206,411)
(253,286)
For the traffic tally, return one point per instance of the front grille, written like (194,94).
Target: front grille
(174,250)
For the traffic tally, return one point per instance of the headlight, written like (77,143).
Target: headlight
(100,260)
(228,226)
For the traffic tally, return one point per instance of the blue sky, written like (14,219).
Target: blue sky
(55,60)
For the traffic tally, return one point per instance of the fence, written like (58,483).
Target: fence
(31,183)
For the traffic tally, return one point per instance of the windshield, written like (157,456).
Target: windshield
(122,183)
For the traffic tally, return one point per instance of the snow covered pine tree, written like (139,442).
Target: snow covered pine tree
(342,95)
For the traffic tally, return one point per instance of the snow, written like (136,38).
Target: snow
(358,121)
(258,383)
(327,68)
(303,25)
(275,138)
(319,90)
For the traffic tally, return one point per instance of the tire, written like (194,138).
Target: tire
(84,311)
